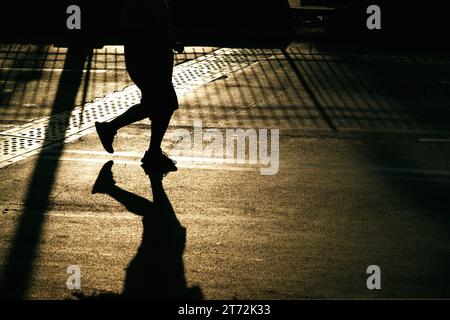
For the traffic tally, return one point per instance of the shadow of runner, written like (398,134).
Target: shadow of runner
(157,270)
(17,272)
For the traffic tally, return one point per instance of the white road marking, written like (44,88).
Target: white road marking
(434,140)
(426,173)
(184,159)
(52,70)
(413,171)
(180,164)
(229,164)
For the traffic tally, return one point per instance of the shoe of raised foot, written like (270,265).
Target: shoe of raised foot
(106,135)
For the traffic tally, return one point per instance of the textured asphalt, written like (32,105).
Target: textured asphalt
(363,180)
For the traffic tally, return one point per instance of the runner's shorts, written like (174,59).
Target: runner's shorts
(151,69)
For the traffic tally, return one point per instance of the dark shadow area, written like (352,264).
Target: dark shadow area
(17,272)
(405,25)
(428,192)
(157,270)
(261,23)
(422,191)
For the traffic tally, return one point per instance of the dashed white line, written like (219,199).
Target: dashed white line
(181,163)
(439,140)
(183,159)
(52,70)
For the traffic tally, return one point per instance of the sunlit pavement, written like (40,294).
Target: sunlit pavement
(363,180)
(30,76)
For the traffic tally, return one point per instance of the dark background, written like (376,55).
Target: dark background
(231,22)
(197,21)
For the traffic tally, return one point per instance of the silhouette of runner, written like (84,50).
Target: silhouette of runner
(149,60)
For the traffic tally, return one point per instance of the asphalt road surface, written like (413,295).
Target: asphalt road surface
(363,179)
